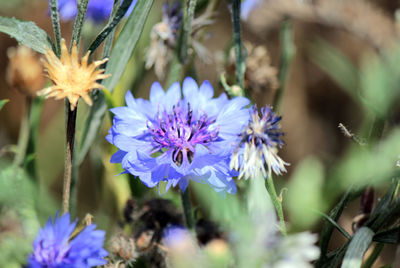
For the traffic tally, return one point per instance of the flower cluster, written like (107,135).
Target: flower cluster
(258,146)
(164,38)
(97,11)
(55,247)
(173,139)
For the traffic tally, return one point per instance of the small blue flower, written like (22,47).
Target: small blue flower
(98,10)
(258,146)
(247,7)
(175,139)
(175,235)
(54,248)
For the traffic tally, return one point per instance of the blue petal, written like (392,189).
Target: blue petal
(190,89)
(206,90)
(118,156)
(172,96)
(156,93)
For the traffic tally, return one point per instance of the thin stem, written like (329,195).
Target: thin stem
(374,255)
(78,23)
(240,56)
(34,124)
(23,135)
(55,20)
(277,202)
(187,209)
(187,30)
(71,122)
(287,54)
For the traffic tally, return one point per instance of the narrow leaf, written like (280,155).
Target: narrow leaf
(126,43)
(27,33)
(111,25)
(2,103)
(357,248)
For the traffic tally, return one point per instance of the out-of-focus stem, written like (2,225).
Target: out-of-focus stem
(374,255)
(277,202)
(288,51)
(23,135)
(69,152)
(34,122)
(187,209)
(240,56)
(186,30)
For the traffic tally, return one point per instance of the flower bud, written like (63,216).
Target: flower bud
(24,70)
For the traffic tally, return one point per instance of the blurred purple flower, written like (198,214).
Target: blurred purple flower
(175,139)
(248,6)
(258,146)
(98,10)
(54,248)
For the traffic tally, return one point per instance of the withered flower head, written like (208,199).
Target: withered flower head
(72,78)
(24,71)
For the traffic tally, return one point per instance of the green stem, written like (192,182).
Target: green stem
(277,202)
(287,53)
(240,57)
(23,135)
(69,152)
(187,209)
(34,124)
(78,23)
(374,255)
(187,30)
(55,20)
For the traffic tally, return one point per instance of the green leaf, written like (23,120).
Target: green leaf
(363,167)
(337,65)
(390,236)
(3,102)
(27,33)
(110,26)
(305,193)
(126,43)
(380,79)
(358,246)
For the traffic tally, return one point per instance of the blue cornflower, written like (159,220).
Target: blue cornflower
(54,248)
(98,10)
(258,146)
(175,139)
(247,7)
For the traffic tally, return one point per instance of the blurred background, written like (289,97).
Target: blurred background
(332,41)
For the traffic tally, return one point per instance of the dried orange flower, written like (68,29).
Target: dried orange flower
(72,78)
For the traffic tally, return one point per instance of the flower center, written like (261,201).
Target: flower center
(180,131)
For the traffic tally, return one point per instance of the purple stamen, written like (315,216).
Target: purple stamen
(181,130)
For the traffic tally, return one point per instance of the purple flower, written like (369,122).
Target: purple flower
(258,146)
(175,139)
(98,10)
(54,248)
(247,7)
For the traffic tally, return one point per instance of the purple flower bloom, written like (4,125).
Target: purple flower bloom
(258,145)
(98,10)
(54,248)
(175,139)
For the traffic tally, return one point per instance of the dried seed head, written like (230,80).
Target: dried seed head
(24,71)
(73,78)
